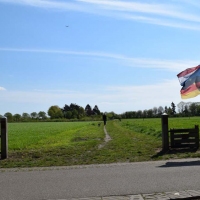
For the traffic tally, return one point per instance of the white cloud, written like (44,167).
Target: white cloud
(170,65)
(164,14)
(147,96)
(112,98)
(2,89)
(132,6)
(158,14)
(146,8)
(162,22)
(46,4)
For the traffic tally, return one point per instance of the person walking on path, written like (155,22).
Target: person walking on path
(104,119)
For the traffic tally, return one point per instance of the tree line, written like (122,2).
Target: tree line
(187,109)
(34,116)
(74,112)
(68,112)
(150,113)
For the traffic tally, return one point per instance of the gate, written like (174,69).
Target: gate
(182,138)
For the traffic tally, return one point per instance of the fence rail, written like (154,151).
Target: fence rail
(180,138)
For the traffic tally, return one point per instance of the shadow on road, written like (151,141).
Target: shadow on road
(181,164)
(178,151)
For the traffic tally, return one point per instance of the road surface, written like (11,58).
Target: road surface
(99,180)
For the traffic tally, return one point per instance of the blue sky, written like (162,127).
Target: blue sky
(119,55)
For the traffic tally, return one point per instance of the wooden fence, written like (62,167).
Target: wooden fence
(182,138)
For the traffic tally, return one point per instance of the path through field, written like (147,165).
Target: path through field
(106,139)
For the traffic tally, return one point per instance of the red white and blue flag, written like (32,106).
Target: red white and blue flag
(190,82)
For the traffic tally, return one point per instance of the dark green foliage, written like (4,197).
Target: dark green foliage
(173,111)
(88,110)
(73,111)
(42,115)
(96,110)
(34,115)
(17,117)
(9,116)
(55,112)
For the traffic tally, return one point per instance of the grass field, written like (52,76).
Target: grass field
(75,143)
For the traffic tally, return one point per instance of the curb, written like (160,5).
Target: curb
(180,195)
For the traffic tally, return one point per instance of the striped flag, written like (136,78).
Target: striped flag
(190,82)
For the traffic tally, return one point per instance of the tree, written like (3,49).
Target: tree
(96,110)
(173,108)
(155,111)
(68,114)
(34,115)
(74,106)
(73,111)
(77,111)
(129,115)
(88,110)
(181,107)
(81,112)
(139,114)
(9,116)
(25,116)
(42,115)
(169,111)
(198,110)
(186,111)
(160,110)
(66,109)
(145,113)
(75,114)
(110,115)
(192,108)
(55,112)
(17,117)
(166,110)
(150,113)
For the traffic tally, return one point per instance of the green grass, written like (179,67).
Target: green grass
(76,143)
(47,144)
(153,126)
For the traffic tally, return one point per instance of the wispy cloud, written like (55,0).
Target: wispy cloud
(47,4)
(153,13)
(144,95)
(170,65)
(164,14)
(131,6)
(136,7)
(126,97)
(2,89)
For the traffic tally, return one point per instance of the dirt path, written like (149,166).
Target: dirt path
(106,139)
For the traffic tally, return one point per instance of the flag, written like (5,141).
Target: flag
(190,82)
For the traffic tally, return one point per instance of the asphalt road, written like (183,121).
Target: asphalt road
(99,180)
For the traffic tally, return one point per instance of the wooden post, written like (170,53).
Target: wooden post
(197,136)
(4,138)
(165,134)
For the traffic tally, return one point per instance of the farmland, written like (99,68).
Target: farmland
(76,143)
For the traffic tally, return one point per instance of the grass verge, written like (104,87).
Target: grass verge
(77,143)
